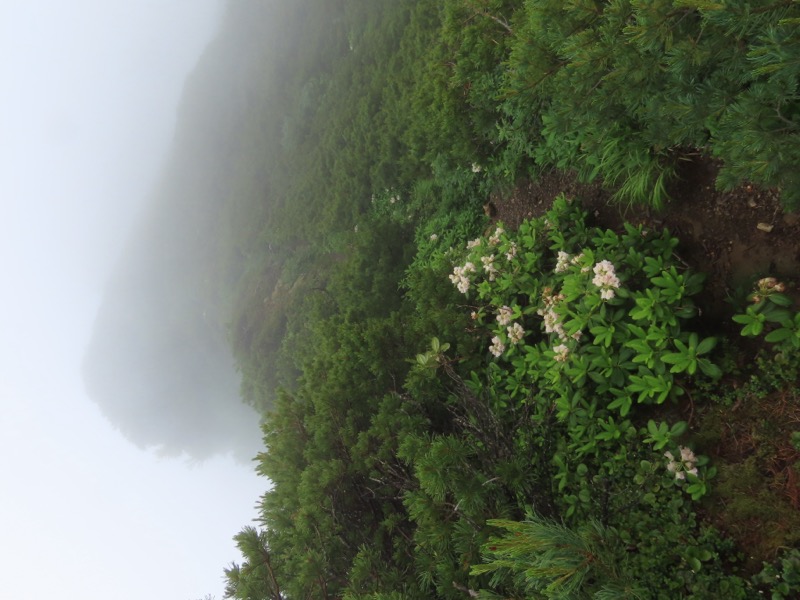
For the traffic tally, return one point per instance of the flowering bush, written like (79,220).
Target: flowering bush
(583,327)
(600,315)
(585,324)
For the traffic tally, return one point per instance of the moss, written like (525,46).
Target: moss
(747,431)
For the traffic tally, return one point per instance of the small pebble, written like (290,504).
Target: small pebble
(765,227)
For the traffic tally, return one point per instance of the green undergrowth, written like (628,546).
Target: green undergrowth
(540,451)
(624,90)
(538,413)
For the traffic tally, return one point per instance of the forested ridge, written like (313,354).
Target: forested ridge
(456,408)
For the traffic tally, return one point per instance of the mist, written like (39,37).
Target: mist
(159,363)
(99,275)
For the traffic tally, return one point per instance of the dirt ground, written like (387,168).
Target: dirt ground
(733,237)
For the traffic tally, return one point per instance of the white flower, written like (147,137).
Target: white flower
(606,279)
(603,267)
(607,293)
(459,277)
(687,455)
(767,283)
(495,238)
(562,263)
(552,320)
(561,352)
(552,323)
(488,266)
(515,333)
(434,237)
(476,168)
(474,243)
(512,251)
(686,463)
(497,347)
(504,315)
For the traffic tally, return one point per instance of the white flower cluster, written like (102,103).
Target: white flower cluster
(512,251)
(606,279)
(552,323)
(515,333)
(460,277)
(686,463)
(767,286)
(460,274)
(552,320)
(564,260)
(488,266)
(504,315)
(562,264)
(562,351)
(497,347)
(494,239)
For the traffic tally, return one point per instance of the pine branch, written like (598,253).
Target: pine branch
(465,589)
(500,21)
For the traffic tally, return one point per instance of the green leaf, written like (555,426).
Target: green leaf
(709,369)
(780,299)
(678,429)
(706,345)
(779,335)
(755,328)
(622,404)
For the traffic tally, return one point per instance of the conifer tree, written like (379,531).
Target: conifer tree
(255,578)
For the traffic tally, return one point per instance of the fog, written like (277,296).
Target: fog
(110,287)
(159,364)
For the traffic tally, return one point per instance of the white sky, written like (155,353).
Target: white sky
(88,94)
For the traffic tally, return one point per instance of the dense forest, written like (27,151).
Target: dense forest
(464,401)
